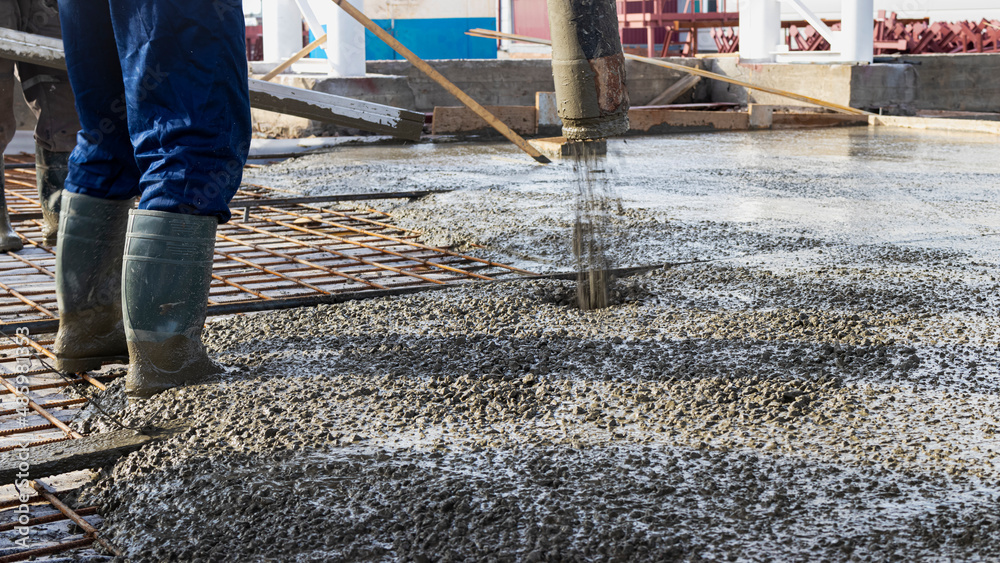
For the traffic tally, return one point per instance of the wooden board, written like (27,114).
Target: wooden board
(656,120)
(459,119)
(347,112)
(559,147)
(780,120)
(31,48)
(88,452)
(937,124)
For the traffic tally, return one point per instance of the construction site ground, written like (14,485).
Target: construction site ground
(812,374)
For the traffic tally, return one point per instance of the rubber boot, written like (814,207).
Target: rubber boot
(9,241)
(51,169)
(165,284)
(88,283)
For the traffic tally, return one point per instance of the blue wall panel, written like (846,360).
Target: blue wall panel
(439,38)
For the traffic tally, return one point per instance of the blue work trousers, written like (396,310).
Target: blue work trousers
(161,89)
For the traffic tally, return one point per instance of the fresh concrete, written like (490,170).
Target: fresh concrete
(826,388)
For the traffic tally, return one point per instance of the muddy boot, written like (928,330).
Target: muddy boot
(50,173)
(88,282)
(165,283)
(8,238)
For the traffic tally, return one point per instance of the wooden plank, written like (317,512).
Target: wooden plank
(937,124)
(294,58)
(781,120)
(460,119)
(73,455)
(657,120)
(560,147)
(31,48)
(347,112)
(676,90)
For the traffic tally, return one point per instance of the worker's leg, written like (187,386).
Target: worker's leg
(50,97)
(189,119)
(103,177)
(10,18)
(102,164)
(188,101)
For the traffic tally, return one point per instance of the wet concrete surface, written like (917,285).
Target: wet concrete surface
(826,387)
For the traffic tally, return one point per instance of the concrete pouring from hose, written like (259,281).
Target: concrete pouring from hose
(588,66)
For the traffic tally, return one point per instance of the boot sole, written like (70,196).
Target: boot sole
(80,365)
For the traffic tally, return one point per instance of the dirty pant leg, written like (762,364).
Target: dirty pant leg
(103,162)
(50,98)
(47,90)
(188,100)
(8,124)
(10,18)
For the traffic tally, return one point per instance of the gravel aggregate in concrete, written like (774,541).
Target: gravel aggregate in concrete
(820,394)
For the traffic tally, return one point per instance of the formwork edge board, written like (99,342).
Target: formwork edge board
(936,124)
(73,455)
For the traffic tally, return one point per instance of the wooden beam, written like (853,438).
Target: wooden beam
(328,108)
(676,90)
(89,452)
(346,112)
(294,58)
(31,48)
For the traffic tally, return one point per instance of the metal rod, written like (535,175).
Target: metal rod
(51,405)
(334,252)
(52,549)
(40,410)
(255,202)
(89,511)
(91,531)
(296,260)
(363,245)
(441,250)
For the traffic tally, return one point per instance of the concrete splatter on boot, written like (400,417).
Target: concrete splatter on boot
(88,282)
(51,168)
(165,285)
(9,241)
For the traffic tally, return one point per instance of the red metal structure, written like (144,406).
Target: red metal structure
(650,27)
(895,36)
(672,25)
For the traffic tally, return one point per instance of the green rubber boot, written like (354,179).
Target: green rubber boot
(88,282)
(9,241)
(165,284)
(51,169)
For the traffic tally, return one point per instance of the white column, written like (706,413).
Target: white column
(760,29)
(857,27)
(282,29)
(345,45)
(506,21)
